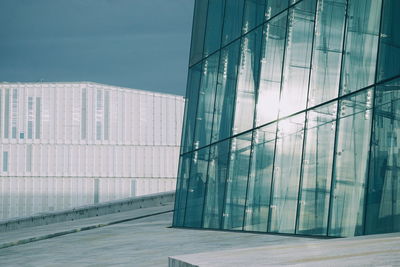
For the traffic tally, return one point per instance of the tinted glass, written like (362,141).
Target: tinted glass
(350,168)
(383,199)
(389,49)
(287,174)
(317,170)
(361,45)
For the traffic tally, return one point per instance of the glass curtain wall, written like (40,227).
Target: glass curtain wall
(291,122)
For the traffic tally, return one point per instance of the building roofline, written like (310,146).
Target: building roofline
(100,84)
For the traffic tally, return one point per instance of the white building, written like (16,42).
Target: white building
(87,129)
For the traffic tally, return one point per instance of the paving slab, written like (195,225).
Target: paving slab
(142,242)
(149,241)
(374,250)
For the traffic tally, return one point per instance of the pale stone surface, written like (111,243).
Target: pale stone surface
(375,250)
(149,242)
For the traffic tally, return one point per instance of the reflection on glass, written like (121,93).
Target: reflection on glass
(232,20)
(236,183)
(197,181)
(247,82)
(199,25)
(274,7)
(225,95)
(317,170)
(214,196)
(297,58)
(182,189)
(383,199)
(327,54)
(389,48)
(273,44)
(361,45)
(253,14)
(205,108)
(286,174)
(189,121)
(259,186)
(215,14)
(350,168)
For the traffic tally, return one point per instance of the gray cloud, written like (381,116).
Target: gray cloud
(135,43)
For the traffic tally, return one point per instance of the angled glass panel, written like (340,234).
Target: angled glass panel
(232,20)
(198,30)
(192,93)
(350,168)
(273,45)
(297,58)
(196,188)
(215,188)
(274,7)
(181,189)
(253,14)
(205,109)
(383,199)
(389,49)
(236,184)
(287,174)
(317,170)
(361,46)
(260,177)
(215,15)
(247,81)
(327,54)
(225,95)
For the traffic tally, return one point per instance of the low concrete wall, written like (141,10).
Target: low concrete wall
(147,201)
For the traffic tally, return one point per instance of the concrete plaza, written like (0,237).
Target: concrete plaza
(143,238)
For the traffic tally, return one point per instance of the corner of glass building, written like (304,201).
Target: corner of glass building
(292,118)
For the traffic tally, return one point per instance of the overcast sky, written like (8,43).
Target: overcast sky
(141,44)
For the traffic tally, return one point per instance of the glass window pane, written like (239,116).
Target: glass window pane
(297,57)
(181,189)
(350,168)
(205,109)
(195,192)
(259,188)
(225,95)
(217,171)
(389,49)
(215,15)
(317,170)
(361,45)
(192,92)
(232,20)
(274,7)
(236,186)
(247,81)
(327,54)
(253,14)
(198,31)
(7,114)
(273,44)
(383,200)
(287,174)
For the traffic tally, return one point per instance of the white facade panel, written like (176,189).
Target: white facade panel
(88,130)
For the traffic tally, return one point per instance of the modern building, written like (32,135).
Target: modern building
(292,120)
(86,129)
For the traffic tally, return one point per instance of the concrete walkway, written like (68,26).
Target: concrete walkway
(141,238)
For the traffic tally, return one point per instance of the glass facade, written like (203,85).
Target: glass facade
(291,118)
